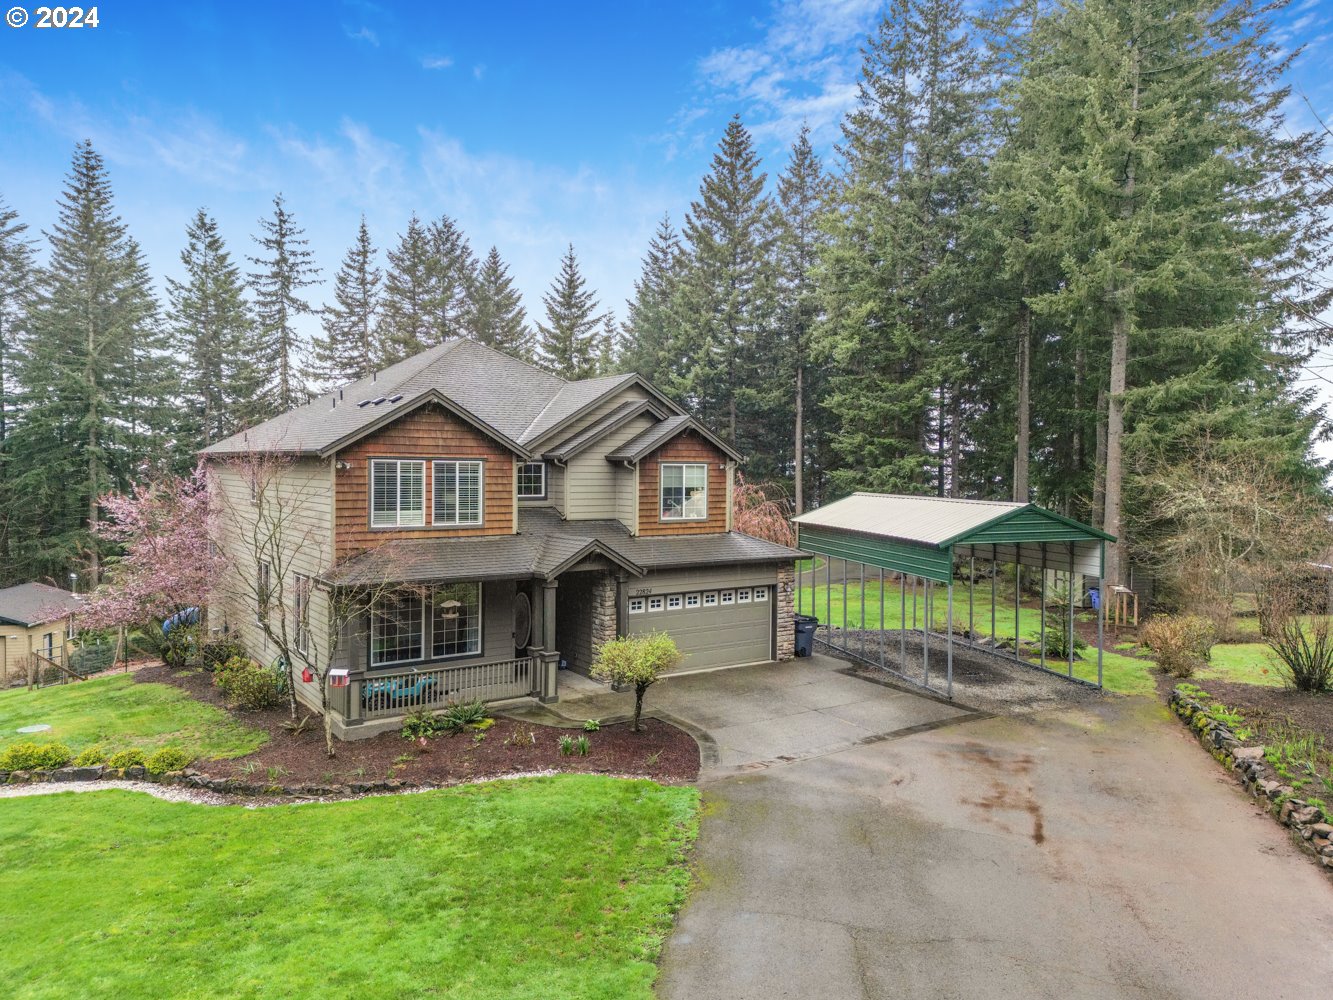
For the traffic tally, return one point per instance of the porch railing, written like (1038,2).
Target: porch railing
(388,694)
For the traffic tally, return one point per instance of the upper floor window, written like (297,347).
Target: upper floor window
(397,493)
(684,492)
(457,492)
(301,612)
(263,590)
(532,481)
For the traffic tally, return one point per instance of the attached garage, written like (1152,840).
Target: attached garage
(715,620)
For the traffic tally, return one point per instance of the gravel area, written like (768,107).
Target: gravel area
(168,793)
(983,681)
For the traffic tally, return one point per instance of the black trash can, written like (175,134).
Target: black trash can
(805,634)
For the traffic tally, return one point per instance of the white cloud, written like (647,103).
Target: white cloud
(436,62)
(802,70)
(478,71)
(363,34)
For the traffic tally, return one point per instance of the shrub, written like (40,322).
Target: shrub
(91,757)
(246,684)
(421,724)
(1305,648)
(35,757)
(217,652)
(636,659)
(1181,644)
(165,759)
(457,717)
(570,746)
(122,759)
(591,725)
(1057,633)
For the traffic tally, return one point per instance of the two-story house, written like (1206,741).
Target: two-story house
(499,523)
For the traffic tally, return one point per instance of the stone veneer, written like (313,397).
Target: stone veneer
(603,610)
(785,596)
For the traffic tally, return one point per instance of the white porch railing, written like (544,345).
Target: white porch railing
(389,694)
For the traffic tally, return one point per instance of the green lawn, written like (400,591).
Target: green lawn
(118,713)
(1124,674)
(545,887)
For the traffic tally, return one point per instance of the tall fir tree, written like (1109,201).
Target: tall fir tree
(569,337)
(350,348)
(408,307)
(803,192)
(95,380)
(496,317)
(726,302)
(895,276)
(452,273)
(650,333)
(286,268)
(16,274)
(211,326)
(1184,215)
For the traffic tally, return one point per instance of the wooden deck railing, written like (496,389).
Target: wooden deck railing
(386,694)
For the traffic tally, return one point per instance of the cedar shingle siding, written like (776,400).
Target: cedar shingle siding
(685,447)
(428,433)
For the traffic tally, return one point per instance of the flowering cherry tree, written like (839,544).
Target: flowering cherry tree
(168,564)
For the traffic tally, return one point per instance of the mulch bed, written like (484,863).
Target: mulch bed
(661,751)
(1266,708)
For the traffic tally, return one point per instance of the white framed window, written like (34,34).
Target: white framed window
(674,602)
(456,620)
(263,590)
(301,612)
(49,645)
(710,599)
(397,493)
(728,597)
(637,605)
(532,481)
(654,604)
(760,594)
(691,600)
(743,595)
(684,492)
(457,499)
(397,629)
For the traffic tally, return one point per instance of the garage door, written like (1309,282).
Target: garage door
(713,628)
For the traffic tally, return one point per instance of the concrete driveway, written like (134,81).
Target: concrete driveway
(1095,852)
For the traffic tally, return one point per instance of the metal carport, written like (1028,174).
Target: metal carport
(925,539)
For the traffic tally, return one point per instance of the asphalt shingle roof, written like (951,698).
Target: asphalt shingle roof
(544,546)
(519,401)
(35,604)
(659,434)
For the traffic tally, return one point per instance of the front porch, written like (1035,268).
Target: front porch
(498,639)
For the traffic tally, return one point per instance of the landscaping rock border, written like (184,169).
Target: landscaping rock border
(1305,821)
(190,778)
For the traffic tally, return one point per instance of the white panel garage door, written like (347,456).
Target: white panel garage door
(713,628)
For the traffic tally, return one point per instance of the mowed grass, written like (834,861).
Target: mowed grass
(118,713)
(547,887)
(1120,673)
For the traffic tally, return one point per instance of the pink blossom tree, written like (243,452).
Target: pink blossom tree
(753,513)
(164,527)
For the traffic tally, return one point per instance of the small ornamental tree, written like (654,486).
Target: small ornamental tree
(754,514)
(636,659)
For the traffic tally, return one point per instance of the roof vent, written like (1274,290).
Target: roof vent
(377,401)
(394,399)
(364,402)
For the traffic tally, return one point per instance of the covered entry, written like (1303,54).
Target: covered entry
(926,542)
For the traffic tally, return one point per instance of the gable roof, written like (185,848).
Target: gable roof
(589,436)
(637,448)
(511,400)
(36,604)
(938,522)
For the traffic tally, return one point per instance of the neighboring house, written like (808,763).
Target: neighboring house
(506,523)
(34,619)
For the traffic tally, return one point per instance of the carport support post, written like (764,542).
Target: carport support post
(1043,605)
(994,563)
(1070,647)
(971,586)
(1018,595)
(863,609)
(1101,617)
(949,640)
(881,617)
(902,622)
(925,633)
(828,597)
(844,606)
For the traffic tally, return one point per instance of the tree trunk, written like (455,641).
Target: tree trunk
(955,445)
(1023,437)
(639,691)
(800,438)
(1099,463)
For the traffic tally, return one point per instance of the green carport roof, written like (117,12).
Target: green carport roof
(919,535)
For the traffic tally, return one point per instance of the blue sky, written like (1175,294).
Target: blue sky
(533,124)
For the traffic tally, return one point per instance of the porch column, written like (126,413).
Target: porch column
(548,666)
